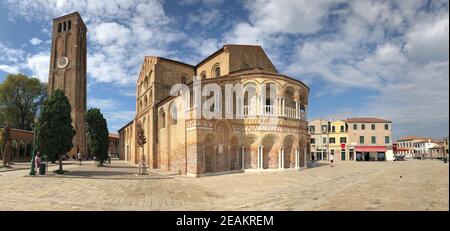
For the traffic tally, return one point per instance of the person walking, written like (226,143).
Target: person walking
(79,158)
(37,161)
(331,159)
(313,161)
(109,158)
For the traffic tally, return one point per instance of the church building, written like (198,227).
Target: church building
(271,133)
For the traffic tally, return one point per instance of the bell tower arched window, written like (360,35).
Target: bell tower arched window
(217,72)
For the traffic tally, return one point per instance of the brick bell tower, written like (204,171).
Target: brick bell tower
(68,71)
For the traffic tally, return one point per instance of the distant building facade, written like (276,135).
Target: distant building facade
(370,139)
(318,130)
(429,149)
(113,145)
(406,145)
(353,139)
(338,137)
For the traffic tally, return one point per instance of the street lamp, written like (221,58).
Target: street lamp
(33,155)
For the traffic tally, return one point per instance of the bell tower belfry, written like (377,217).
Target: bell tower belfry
(68,71)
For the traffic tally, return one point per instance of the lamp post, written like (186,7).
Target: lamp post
(33,155)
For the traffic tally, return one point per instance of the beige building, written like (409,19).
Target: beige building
(271,134)
(370,139)
(345,139)
(318,129)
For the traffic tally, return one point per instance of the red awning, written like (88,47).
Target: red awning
(371,148)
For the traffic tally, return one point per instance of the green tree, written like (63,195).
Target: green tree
(56,130)
(6,144)
(20,100)
(97,134)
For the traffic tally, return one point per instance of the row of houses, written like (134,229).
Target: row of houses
(421,147)
(353,139)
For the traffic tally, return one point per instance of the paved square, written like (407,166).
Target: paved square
(408,185)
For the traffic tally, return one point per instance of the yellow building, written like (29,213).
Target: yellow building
(337,140)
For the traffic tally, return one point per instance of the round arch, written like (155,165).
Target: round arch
(289,151)
(216,71)
(271,147)
(223,132)
(235,153)
(209,153)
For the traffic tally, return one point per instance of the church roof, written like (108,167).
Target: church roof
(222,49)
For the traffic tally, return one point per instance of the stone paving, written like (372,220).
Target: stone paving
(406,185)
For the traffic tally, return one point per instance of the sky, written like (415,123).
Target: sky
(387,59)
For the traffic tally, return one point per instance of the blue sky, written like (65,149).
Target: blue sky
(362,58)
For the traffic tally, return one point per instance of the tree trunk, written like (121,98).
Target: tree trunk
(60,165)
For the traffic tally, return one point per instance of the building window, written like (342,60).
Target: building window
(373,126)
(387,140)
(374,140)
(162,119)
(324,140)
(216,70)
(203,75)
(361,139)
(343,140)
(69,25)
(324,128)
(355,126)
(145,83)
(386,127)
(173,112)
(311,129)
(313,141)
(333,129)
(342,129)
(332,140)
(59,27)
(363,127)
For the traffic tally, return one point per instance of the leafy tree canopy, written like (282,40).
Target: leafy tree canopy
(21,98)
(97,134)
(55,127)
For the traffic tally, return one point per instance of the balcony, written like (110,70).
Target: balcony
(272,111)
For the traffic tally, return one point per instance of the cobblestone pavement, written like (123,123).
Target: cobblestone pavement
(407,185)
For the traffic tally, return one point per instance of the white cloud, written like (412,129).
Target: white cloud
(205,17)
(117,119)
(9,69)
(110,32)
(10,55)
(39,65)
(429,41)
(35,41)
(103,104)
